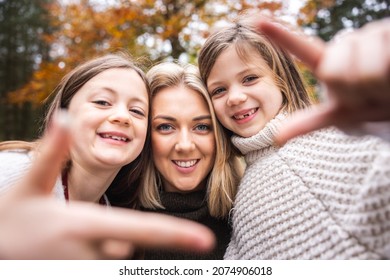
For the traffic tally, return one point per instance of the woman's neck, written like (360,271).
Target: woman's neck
(88,184)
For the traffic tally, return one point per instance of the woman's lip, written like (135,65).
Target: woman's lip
(183,169)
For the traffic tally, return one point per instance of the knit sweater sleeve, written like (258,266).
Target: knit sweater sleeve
(351,178)
(13,164)
(370,219)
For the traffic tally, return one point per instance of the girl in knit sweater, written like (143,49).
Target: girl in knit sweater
(194,171)
(323,195)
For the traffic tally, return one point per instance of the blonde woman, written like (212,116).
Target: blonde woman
(194,171)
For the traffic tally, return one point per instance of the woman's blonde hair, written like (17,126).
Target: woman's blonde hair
(247,40)
(223,179)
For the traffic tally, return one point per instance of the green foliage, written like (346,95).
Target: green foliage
(342,14)
(21,48)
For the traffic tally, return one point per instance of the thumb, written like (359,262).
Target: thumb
(308,49)
(48,163)
(304,121)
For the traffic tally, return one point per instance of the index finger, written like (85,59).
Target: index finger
(305,121)
(308,49)
(141,228)
(49,160)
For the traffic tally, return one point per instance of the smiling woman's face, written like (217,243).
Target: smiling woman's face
(183,141)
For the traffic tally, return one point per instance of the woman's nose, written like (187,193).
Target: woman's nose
(184,142)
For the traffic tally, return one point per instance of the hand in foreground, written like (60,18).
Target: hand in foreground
(36,226)
(355,71)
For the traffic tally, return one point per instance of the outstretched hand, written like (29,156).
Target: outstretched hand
(36,226)
(354,70)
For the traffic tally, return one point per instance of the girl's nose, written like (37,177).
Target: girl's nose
(120,116)
(236,97)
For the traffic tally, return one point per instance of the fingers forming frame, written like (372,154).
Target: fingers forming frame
(144,229)
(50,158)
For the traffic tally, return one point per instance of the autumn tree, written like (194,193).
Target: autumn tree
(157,30)
(21,50)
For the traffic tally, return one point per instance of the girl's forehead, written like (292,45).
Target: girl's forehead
(251,56)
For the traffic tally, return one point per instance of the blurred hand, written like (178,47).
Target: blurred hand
(36,226)
(354,71)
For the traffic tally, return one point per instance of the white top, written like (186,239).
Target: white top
(15,163)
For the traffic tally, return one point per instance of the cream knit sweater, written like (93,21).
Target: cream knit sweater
(325,195)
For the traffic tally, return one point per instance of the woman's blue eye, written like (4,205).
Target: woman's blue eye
(164,127)
(203,127)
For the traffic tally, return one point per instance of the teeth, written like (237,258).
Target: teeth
(240,117)
(124,139)
(185,164)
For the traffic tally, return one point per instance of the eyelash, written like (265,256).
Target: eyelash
(206,126)
(217,91)
(106,103)
(167,127)
(101,102)
(164,127)
(138,112)
(250,78)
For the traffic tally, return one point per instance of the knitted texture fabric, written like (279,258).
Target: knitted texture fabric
(324,195)
(192,206)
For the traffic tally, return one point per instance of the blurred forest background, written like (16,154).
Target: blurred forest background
(41,40)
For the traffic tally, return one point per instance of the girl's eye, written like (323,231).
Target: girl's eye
(217,91)
(249,79)
(137,111)
(203,127)
(101,102)
(164,127)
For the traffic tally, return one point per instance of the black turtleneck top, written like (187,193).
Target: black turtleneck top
(192,206)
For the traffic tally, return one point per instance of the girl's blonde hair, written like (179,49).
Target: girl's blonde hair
(223,179)
(247,40)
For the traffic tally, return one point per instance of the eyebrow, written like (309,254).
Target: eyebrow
(199,118)
(169,118)
(114,92)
